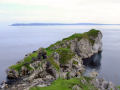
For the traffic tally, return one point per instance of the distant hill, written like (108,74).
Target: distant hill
(53,24)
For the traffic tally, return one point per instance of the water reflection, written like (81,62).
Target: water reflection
(94,62)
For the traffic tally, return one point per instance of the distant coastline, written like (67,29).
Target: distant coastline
(54,24)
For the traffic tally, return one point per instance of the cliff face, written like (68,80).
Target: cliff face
(84,45)
(64,59)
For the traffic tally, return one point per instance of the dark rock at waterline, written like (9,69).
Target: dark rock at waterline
(94,61)
(12,74)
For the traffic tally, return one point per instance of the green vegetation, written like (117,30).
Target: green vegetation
(118,87)
(27,59)
(55,65)
(93,32)
(51,59)
(75,62)
(68,75)
(55,44)
(76,35)
(65,55)
(63,84)
(49,52)
(87,35)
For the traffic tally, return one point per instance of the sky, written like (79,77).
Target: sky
(65,11)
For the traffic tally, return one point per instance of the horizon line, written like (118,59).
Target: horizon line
(49,24)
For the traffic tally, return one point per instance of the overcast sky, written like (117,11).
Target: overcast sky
(68,11)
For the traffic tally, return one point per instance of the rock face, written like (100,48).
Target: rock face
(84,47)
(101,84)
(64,59)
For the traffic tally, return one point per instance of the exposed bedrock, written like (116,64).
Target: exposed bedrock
(64,59)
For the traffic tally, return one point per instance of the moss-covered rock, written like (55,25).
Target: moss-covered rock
(27,60)
(75,62)
(65,55)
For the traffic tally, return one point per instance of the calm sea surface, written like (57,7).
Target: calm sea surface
(15,42)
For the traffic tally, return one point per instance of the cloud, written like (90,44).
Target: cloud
(101,11)
(2,12)
(58,2)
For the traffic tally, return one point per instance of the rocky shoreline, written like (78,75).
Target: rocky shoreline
(64,59)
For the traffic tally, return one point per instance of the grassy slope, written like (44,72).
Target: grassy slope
(65,56)
(87,35)
(63,84)
(27,59)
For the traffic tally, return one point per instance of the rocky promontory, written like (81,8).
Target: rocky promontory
(57,63)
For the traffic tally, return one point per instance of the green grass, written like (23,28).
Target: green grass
(49,52)
(63,84)
(75,62)
(79,36)
(76,35)
(93,32)
(51,59)
(55,65)
(118,87)
(65,55)
(55,44)
(27,59)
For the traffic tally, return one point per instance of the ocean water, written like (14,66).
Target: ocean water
(16,41)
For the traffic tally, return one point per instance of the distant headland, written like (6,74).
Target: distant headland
(54,24)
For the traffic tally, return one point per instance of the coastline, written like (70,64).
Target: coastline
(84,56)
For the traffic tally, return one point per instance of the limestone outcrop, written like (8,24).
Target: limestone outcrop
(64,59)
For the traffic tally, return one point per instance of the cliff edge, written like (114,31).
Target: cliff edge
(64,59)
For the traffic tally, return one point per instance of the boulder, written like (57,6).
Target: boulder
(24,70)
(3,85)
(76,87)
(42,54)
(101,84)
(12,74)
(104,85)
(93,74)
